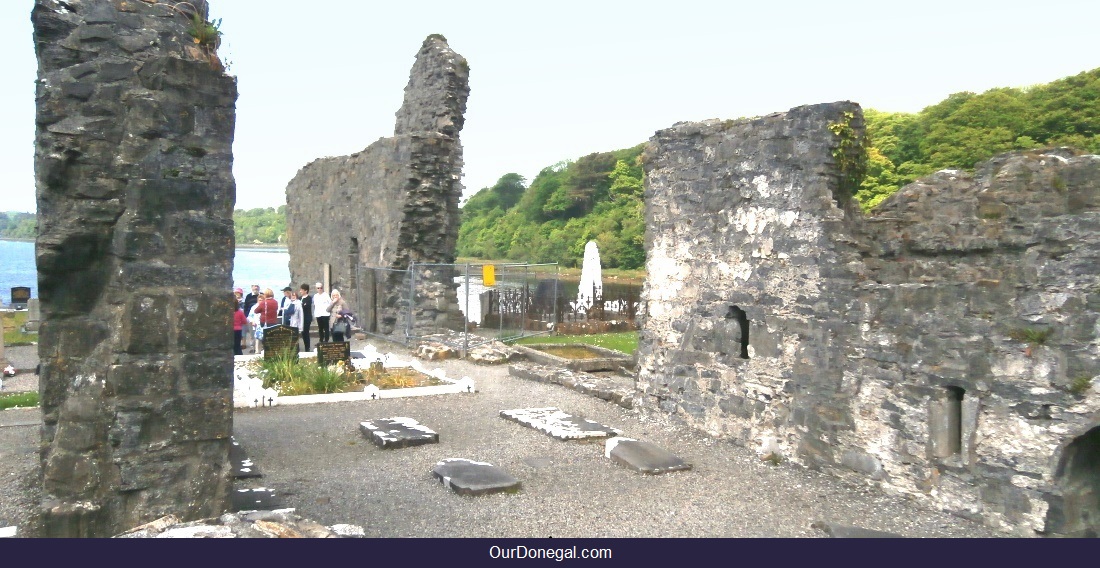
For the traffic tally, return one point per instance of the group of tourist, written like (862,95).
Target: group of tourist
(296,309)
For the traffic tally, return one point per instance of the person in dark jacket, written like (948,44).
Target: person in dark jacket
(307,312)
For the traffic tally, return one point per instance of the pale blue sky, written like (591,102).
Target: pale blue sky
(556,81)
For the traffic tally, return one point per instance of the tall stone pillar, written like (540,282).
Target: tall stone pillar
(133,156)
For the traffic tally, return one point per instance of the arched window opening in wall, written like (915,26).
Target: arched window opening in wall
(945,417)
(1078,475)
(737,314)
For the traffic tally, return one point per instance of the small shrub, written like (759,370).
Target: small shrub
(1031,335)
(773,459)
(206,34)
(1080,385)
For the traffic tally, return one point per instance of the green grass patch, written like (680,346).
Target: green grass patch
(625,341)
(13,326)
(19,400)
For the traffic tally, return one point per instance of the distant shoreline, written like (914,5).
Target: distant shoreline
(271,247)
(262,247)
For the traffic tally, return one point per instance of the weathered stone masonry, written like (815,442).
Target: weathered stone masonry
(943,346)
(135,192)
(394,203)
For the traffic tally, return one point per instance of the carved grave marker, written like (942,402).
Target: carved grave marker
(329,353)
(280,341)
(20,295)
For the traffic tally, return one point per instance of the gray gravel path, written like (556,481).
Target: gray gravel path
(315,457)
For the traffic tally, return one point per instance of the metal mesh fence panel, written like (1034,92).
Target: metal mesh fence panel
(456,304)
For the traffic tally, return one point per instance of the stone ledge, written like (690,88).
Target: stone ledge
(584,383)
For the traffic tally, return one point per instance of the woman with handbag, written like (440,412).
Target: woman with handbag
(341,328)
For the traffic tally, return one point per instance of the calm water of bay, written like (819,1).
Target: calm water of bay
(267,267)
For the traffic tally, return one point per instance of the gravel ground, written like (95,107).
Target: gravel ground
(316,459)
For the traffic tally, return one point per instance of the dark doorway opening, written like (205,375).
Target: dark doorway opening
(742,319)
(1079,476)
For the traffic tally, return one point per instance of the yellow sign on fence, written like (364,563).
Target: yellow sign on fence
(489,275)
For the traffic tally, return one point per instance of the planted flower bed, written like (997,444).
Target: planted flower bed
(262,383)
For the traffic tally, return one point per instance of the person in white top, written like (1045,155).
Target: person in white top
(295,319)
(321,304)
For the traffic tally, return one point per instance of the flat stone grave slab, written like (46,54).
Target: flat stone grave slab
(243,467)
(257,499)
(560,425)
(844,531)
(398,432)
(643,456)
(467,477)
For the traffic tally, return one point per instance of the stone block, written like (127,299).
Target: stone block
(243,466)
(815,451)
(146,327)
(255,499)
(398,432)
(844,531)
(468,477)
(643,457)
(864,463)
(142,377)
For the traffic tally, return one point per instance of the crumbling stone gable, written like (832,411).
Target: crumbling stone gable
(943,346)
(394,203)
(135,193)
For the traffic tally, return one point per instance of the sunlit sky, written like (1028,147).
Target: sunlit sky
(555,81)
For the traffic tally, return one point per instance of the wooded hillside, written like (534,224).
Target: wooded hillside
(599,197)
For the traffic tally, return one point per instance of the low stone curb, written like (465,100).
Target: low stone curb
(584,383)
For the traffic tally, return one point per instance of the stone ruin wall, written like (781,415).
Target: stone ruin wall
(135,191)
(890,348)
(394,203)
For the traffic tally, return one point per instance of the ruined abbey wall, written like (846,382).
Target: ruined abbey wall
(133,156)
(943,346)
(393,203)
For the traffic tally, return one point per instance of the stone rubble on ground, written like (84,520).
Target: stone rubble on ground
(280,523)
